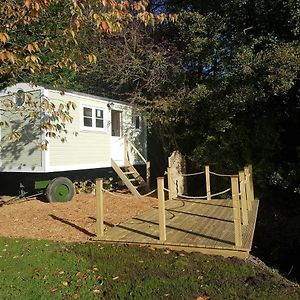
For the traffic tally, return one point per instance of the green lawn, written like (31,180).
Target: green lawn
(31,269)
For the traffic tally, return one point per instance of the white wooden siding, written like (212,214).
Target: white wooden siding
(23,155)
(79,148)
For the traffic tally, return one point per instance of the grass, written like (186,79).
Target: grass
(36,269)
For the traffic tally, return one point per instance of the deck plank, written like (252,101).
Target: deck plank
(199,225)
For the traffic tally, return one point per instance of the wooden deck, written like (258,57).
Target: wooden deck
(192,225)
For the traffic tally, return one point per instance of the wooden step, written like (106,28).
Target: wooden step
(132,188)
(128,173)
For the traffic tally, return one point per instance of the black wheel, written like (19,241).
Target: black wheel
(60,189)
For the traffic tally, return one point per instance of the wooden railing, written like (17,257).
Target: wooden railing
(129,147)
(242,204)
(242,192)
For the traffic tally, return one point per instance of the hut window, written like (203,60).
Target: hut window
(87,117)
(99,118)
(20,98)
(136,122)
(93,118)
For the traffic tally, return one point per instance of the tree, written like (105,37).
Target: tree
(39,42)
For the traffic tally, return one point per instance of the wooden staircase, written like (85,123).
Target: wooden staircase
(131,178)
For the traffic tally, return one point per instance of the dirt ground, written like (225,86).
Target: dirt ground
(71,221)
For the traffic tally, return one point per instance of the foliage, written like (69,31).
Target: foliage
(45,269)
(21,114)
(39,41)
(221,84)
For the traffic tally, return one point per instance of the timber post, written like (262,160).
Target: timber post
(243,198)
(126,150)
(236,211)
(207,178)
(99,208)
(251,181)
(161,209)
(248,188)
(148,174)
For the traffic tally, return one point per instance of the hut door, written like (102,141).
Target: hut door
(117,140)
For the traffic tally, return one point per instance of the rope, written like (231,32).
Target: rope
(127,197)
(204,197)
(149,193)
(192,197)
(220,193)
(166,190)
(193,174)
(114,194)
(221,175)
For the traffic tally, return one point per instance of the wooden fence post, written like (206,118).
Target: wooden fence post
(243,198)
(248,188)
(161,209)
(236,211)
(126,151)
(207,177)
(148,174)
(99,208)
(251,181)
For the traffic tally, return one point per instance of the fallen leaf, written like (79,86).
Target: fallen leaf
(96,291)
(203,297)
(79,274)
(65,283)
(115,278)
(75,296)
(53,290)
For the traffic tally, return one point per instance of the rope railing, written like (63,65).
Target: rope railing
(152,192)
(192,174)
(204,197)
(221,175)
(191,197)
(127,197)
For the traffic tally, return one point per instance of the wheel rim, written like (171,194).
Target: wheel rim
(61,193)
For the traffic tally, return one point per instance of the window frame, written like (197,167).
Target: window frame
(93,117)
(135,119)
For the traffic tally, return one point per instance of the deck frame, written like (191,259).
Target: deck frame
(205,226)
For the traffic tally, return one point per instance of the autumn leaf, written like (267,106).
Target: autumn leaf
(104,26)
(202,297)
(30,48)
(4,38)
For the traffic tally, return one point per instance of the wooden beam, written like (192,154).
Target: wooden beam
(207,177)
(148,174)
(236,211)
(126,151)
(99,208)
(243,198)
(161,209)
(251,181)
(248,188)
